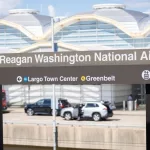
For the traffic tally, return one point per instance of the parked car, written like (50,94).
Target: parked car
(109,106)
(44,106)
(95,110)
(63,103)
(4,101)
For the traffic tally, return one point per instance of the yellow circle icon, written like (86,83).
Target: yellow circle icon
(83,78)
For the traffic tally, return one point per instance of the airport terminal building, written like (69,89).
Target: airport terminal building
(105,27)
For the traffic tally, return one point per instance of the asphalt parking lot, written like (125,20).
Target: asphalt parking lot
(125,118)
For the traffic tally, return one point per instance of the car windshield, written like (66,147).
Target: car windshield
(40,102)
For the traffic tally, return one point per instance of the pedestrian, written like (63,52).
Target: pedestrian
(137,99)
(79,112)
(130,97)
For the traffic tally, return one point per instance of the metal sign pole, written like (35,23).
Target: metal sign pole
(54,105)
(1,120)
(54,119)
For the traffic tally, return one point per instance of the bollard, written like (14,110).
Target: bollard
(135,105)
(124,105)
(130,105)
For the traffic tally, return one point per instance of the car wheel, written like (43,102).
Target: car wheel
(30,112)
(96,117)
(56,113)
(68,116)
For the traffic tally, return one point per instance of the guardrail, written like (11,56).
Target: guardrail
(77,124)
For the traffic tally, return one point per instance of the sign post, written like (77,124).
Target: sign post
(52,13)
(54,119)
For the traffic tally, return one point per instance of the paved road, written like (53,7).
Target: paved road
(120,118)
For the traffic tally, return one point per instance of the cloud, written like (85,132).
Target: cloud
(6,5)
(142,4)
(147,11)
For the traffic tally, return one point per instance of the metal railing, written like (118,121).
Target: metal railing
(76,124)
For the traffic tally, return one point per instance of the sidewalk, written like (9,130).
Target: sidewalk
(131,113)
(141,110)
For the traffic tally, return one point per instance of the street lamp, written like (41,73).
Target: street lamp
(52,15)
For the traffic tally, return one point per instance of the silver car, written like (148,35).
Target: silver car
(94,110)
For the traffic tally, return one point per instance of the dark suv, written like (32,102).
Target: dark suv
(44,106)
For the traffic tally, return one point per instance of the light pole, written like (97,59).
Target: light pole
(52,15)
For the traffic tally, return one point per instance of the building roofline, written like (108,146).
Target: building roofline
(23,11)
(74,19)
(109,6)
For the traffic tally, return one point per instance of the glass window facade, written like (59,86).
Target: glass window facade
(96,32)
(83,32)
(13,38)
